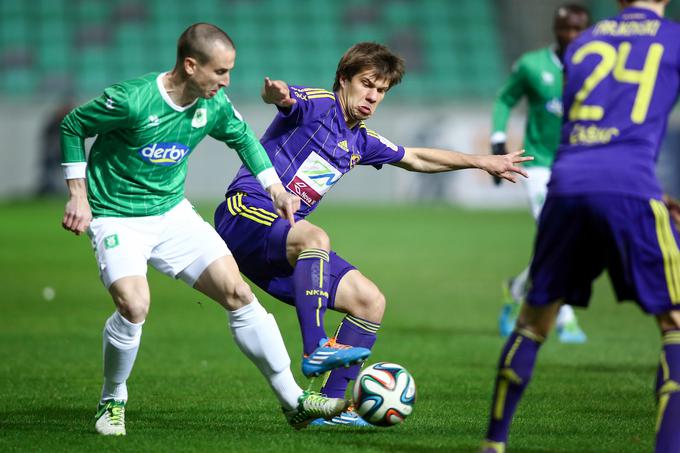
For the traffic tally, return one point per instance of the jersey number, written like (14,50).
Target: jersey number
(613,59)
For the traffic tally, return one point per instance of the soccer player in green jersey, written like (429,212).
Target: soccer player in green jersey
(537,75)
(129,198)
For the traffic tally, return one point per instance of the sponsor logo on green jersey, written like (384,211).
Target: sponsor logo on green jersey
(164,153)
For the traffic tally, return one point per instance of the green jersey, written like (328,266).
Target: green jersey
(138,163)
(538,76)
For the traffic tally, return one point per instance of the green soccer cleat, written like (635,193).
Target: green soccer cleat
(313,405)
(110,418)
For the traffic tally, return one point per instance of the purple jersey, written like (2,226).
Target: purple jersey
(622,78)
(311,147)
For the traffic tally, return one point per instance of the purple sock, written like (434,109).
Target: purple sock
(668,421)
(514,373)
(353,331)
(312,278)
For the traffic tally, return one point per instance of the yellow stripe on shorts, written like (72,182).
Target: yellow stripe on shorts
(669,249)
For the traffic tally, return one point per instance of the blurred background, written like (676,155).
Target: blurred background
(58,53)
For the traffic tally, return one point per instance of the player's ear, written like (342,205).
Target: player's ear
(190,65)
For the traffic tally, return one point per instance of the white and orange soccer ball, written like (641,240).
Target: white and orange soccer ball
(384,394)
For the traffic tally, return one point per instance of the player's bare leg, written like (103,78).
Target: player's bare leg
(307,250)
(668,384)
(515,368)
(257,335)
(121,337)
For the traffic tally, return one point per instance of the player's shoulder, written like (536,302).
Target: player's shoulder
(536,57)
(311,94)
(138,84)
(371,135)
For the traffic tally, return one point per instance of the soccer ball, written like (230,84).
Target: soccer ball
(384,394)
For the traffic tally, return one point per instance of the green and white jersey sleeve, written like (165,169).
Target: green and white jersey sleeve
(138,163)
(537,76)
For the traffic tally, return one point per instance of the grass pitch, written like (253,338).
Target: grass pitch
(192,390)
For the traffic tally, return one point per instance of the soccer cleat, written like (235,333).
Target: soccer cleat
(347,418)
(110,418)
(330,355)
(313,405)
(509,312)
(571,333)
(489,446)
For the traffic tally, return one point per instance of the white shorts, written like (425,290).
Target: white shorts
(178,243)
(537,187)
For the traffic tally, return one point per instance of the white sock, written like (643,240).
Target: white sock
(121,343)
(257,335)
(565,315)
(519,285)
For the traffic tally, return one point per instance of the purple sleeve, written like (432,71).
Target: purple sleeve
(308,102)
(379,150)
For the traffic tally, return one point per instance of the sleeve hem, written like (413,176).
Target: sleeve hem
(74,170)
(268,177)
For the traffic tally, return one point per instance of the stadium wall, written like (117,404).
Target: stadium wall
(460,127)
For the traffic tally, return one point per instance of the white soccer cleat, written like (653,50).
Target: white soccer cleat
(110,418)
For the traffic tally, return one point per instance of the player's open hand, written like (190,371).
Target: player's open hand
(276,92)
(506,166)
(77,215)
(286,203)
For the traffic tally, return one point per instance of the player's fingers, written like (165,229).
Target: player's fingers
(520,170)
(290,212)
(509,177)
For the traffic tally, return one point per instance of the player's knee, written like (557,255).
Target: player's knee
(369,304)
(669,320)
(133,307)
(238,295)
(316,238)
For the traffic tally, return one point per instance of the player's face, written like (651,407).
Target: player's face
(567,28)
(361,95)
(210,77)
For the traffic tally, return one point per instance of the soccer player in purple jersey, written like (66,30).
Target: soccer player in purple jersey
(315,138)
(605,207)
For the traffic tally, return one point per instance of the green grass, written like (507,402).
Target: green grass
(192,390)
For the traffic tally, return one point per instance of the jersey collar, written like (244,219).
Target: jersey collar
(633,13)
(166,97)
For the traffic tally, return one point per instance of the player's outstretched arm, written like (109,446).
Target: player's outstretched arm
(286,204)
(276,92)
(431,160)
(77,214)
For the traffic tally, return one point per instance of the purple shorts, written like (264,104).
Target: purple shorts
(256,237)
(581,235)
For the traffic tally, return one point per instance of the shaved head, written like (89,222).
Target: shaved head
(198,41)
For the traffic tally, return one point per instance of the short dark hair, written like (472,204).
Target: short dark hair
(570,8)
(627,2)
(196,42)
(370,55)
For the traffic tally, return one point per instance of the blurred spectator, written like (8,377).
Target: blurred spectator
(51,179)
